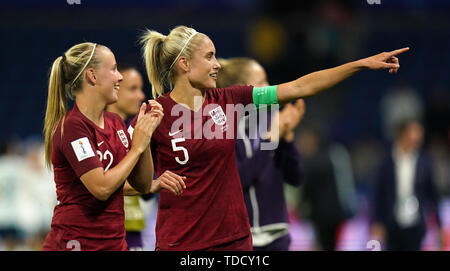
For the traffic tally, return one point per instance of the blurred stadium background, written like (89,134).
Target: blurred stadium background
(290,38)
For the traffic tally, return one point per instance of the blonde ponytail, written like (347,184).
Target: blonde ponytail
(56,106)
(152,43)
(161,52)
(66,79)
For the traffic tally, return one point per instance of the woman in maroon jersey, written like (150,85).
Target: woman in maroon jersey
(211,214)
(91,153)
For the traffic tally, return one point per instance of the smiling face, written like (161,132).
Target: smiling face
(203,66)
(107,77)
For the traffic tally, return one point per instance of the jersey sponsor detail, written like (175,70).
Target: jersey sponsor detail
(82,148)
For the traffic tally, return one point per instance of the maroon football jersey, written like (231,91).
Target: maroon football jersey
(80,221)
(211,210)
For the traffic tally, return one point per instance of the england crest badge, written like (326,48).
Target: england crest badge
(218,116)
(123,138)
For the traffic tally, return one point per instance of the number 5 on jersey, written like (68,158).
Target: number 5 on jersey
(180,148)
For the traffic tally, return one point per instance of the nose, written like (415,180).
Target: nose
(216,65)
(120,77)
(141,95)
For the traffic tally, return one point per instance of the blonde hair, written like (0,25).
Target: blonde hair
(161,52)
(66,79)
(234,71)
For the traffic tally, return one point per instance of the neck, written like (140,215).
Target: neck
(90,107)
(113,108)
(185,93)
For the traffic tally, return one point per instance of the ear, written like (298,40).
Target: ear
(90,76)
(183,64)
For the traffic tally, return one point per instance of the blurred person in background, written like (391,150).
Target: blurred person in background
(328,196)
(263,172)
(129,100)
(37,194)
(11,163)
(400,102)
(404,193)
(27,196)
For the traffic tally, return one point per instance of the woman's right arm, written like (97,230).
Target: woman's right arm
(316,82)
(103,184)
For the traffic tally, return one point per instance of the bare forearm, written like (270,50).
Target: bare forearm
(103,184)
(142,175)
(316,82)
(128,190)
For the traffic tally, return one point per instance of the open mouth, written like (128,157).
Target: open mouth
(213,75)
(116,87)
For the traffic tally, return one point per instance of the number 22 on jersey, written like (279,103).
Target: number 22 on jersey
(106,155)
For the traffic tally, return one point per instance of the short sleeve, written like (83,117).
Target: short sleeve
(241,94)
(78,147)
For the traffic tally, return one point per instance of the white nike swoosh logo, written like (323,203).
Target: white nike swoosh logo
(174,133)
(100,143)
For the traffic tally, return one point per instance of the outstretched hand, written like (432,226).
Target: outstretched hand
(385,60)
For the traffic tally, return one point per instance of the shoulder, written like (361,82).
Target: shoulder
(166,102)
(74,126)
(229,91)
(73,121)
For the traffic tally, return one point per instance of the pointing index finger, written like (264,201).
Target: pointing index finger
(398,51)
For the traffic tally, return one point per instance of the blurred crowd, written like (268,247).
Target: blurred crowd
(27,195)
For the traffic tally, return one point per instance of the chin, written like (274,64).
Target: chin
(112,100)
(212,85)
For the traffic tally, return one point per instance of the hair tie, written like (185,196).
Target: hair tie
(85,65)
(160,44)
